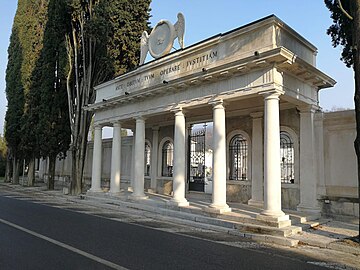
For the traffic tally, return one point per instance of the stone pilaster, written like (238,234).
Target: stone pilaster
(308,181)
(154,158)
(319,151)
(131,184)
(257,166)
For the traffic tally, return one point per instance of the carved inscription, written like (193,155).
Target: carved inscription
(160,74)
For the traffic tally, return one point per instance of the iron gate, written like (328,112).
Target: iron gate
(196,159)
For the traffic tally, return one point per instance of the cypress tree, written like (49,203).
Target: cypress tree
(54,132)
(15,96)
(24,50)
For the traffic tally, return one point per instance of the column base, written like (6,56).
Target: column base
(151,190)
(137,197)
(273,221)
(130,189)
(273,214)
(95,190)
(217,209)
(115,193)
(178,203)
(272,218)
(256,203)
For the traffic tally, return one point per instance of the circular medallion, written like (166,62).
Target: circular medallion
(161,39)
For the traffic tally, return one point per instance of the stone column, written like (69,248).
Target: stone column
(272,173)
(138,184)
(97,158)
(308,180)
(179,161)
(257,164)
(131,184)
(154,158)
(115,159)
(219,160)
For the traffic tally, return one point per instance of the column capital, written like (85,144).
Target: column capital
(155,128)
(272,94)
(256,115)
(139,118)
(177,111)
(319,116)
(308,108)
(217,104)
(116,123)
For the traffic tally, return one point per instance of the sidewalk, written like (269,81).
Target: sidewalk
(304,230)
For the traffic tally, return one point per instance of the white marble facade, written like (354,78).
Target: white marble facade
(255,82)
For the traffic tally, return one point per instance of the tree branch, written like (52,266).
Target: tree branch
(344,11)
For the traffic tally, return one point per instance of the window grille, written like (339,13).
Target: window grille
(147,159)
(238,158)
(167,159)
(287,158)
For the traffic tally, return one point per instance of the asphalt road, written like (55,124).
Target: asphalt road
(36,236)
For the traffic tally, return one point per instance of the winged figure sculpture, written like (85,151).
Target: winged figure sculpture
(144,46)
(178,31)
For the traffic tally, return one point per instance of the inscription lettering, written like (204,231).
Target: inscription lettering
(179,67)
(201,58)
(169,70)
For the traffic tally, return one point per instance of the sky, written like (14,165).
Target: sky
(206,18)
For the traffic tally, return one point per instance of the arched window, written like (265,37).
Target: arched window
(147,159)
(167,159)
(238,158)
(287,158)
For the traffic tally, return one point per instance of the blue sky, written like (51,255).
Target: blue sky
(205,18)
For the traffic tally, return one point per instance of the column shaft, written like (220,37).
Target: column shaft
(132,174)
(257,167)
(308,182)
(179,161)
(138,184)
(97,157)
(272,174)
(115,159)
(154,158)
(219,159)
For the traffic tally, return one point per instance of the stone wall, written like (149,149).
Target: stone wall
(340,187)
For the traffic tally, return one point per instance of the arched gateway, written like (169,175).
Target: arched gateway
(242,80)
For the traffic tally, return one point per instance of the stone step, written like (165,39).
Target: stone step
(255,221)
(250,225)
(284,232)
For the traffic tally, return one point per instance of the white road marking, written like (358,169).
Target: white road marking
(63,245)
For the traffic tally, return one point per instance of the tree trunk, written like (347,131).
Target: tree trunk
(16,171)
(51,177)
(76,183)
(8,170)
(31,173)
(356,53)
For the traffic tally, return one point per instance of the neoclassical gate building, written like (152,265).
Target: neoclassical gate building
(256,88)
